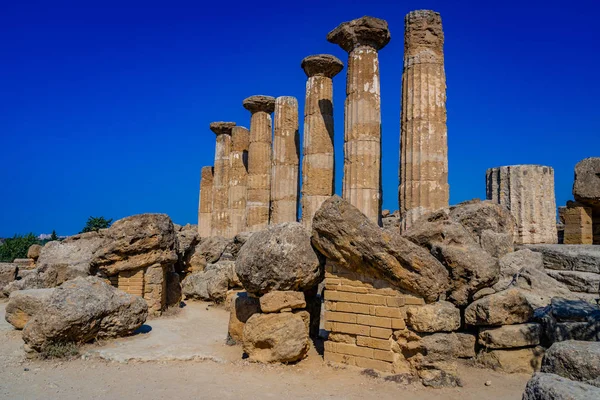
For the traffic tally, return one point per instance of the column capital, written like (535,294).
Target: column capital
(222,128)
(259,103)
(322,65)
(365,31)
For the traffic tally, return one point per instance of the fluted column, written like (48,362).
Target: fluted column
(286,159)
(318,162)
(362,38)
(259,162)
(528,192)
(423,133)
(220,213)
(205,202)
(238,177)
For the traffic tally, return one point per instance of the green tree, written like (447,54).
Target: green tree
(16,247)
(94,224)
(53,236)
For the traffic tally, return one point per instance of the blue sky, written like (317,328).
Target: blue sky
(105,106)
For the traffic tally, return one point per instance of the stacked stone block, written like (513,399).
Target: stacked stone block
(528,192)
(586,190)
(577,221)
(238,183)
(149,283)
(286,162)
(205,202)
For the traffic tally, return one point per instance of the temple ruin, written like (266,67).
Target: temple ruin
(220,223)
(205,202)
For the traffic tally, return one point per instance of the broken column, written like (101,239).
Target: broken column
(205,202)
(286,159)
(577,221)
(362,38)
(220,210)
(259,162)
(423,133)
(528,192)
(238,176)
(318,162)
(586,190)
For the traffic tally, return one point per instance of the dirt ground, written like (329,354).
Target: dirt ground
(184,357)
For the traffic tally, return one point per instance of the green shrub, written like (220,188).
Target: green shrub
(16,247)
(94,224)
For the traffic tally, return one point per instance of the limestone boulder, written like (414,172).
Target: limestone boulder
(569,257)
(480,216)
(187,239)
(512,263)
(8,273)
(538,287)
(242,308)
(233,247)
(577,281)
(208,251)
(575,360)
(503,308)
(497,244)
(525,360)
(277,337)
(554,387)
(279,258)
(211,284)
(34,251)
(84,309)
(441,316)
(346,236)
(511,336)
(567,319)
(586,188)
(437,228)
(280,300)
(135,242)
(24,304)
(446,347)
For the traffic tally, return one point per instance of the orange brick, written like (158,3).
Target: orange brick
(340,296)
(332,281)
(332,287)
(353,308)
(395,301)
(383,355)
(370,320)
(352,350)
(374,364)
(351,282)
(353,289)
(370,299)
(384,292)
(340,317)
(413,301)
(390,312)
(373,343)
(330,305)
(329,346)
(352,329)
(398,323)
(339,358)
(381,333)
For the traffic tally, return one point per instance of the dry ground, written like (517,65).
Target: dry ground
(212,370)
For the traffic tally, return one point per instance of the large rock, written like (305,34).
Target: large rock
(24,304)
(480,216)
(538,287)
(569,257)
(503,308)
(437,228)
(576,281)
(211,284)
(279,300)
(586,188)
(279,258)
(567,319)
(34,252)
(346,236)
(208,251)
(440,316)
(8,273)
(242,308)
(187,239)
(84,309)
(553,387)
(511,336)
(525,360)
(512,263)
(137,242)
(233,247)
(576,360)
(447,346)
(279,337)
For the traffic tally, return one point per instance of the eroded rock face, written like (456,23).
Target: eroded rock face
(567,319)
(278,337)
(84,309)
(279,300)
(208,251)
(8,273)
(187,239)
(478,216)
(24,304)
(136,242)
(212,283)
(34,251)
(279,258)
(563,257)
(512,263)
(346,236)
(525,360)
(575,360)
(441,316)
(550,386)
(503,308)
(586,188)
(242,308)
(511,336)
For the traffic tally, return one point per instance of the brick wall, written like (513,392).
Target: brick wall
(361,314)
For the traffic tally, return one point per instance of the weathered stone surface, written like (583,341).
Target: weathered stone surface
(570,257)
(220,223)
(478,216)
(586,188)
(512,263)
(447,346)
(242,308)
(278,300)
(526,360)
(576,360)
(238,178)
(578,224)
(173,290)
(205,205)
(187,239)
(577,281)
(211,284)
(259,103)
(34,251)
(322,65)
(511,336)
(233,247)
(24,304)
(503,308)
(553,387)
(437,228)
(346,236)
(8,273)
(136,242)
(497,244)
(279,337)
(439,376)
(208,251)
(538,287)
(569,320)
(441,316)
(423,136)
(84,309)
(279,258)
(362,38)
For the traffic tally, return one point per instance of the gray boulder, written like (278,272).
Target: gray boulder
(577,281)
(567,319)
(84,309)
(447,347)
(34,251)
(553,387)
(440,316)
(512,263)
(211,284)
(480,216)
(503,308)
(569,257)
(511,336)
(8,273)
(187,239)
(208,251)
(346,236)
(586,188)
(575,360)
(279,258)
(24,304)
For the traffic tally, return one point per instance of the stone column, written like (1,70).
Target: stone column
(362,38)
(238,177)
(205,202)
(286,160)
(318,162)
(577,221)
(423,133)
(528,192)
(259,162)
(220,213)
